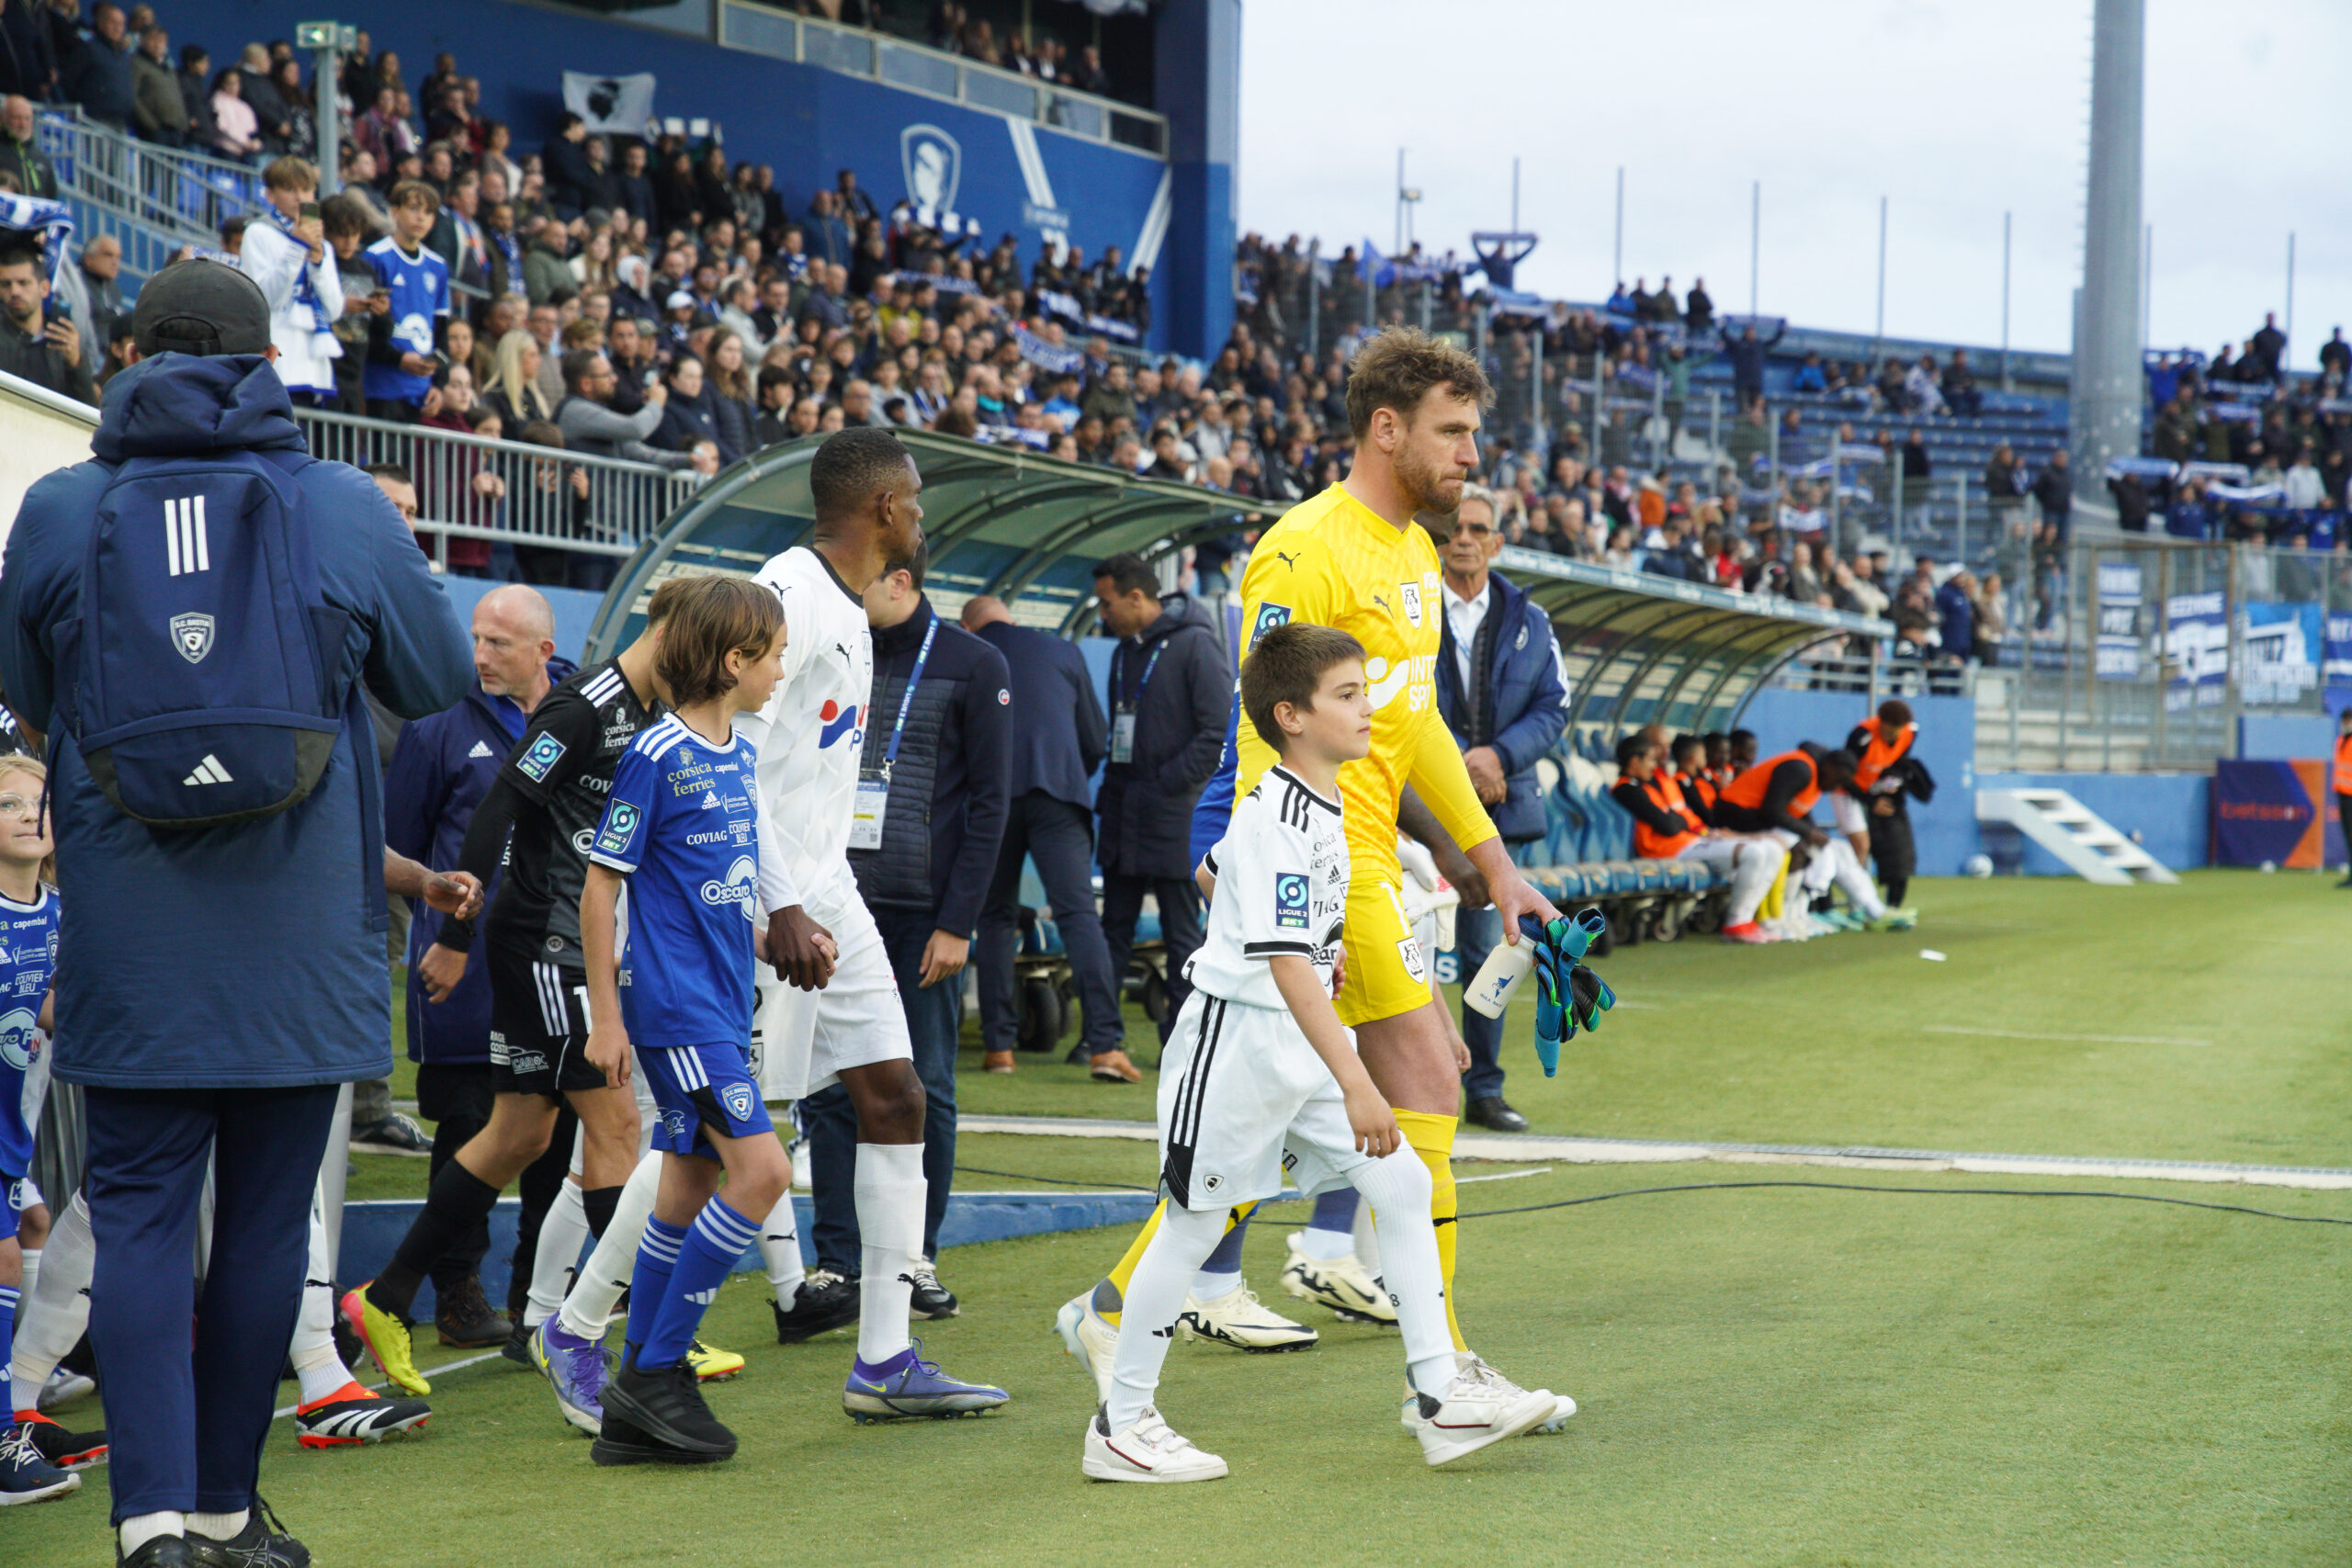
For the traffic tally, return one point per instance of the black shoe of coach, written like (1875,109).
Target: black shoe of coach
(1490,1111)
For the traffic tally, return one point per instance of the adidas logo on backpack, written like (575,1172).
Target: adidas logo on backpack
(482,749)
(209,772)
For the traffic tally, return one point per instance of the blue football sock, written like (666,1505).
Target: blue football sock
(1331,1231)
(649,1283)
(1222,1273)
(715,1239)
(7,1323)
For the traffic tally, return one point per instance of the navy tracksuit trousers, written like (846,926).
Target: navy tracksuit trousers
(186,1424)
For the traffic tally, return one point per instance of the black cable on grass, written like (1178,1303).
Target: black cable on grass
(1737,1186)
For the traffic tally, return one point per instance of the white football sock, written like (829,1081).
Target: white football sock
(140,1528)
(890,1193)
(1324,1246)
(1754,864)
(780,1250)
(219,1527)
(32,1270)
(1397,1188)
(1847,873)
(316,1363)
(1155,1295)
(1367,1241)
(50,1321)
(1208,1287)
(563,1237)
(588,1307)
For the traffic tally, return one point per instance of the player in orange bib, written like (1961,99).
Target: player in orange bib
(1354,557)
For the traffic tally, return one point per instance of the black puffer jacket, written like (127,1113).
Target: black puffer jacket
(950,787)
(1145,807)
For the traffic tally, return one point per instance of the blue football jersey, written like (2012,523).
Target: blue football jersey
(682,826)
(418,286)
(28,959)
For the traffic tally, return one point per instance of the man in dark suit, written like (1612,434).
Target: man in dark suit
(1059,738)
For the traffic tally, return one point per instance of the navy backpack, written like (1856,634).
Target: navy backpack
(201,679)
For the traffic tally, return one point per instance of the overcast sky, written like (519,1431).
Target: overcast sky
(1955,112)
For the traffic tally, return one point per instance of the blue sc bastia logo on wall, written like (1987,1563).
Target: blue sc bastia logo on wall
(933,165)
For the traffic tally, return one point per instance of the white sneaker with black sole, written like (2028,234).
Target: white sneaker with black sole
(1240,1319)
(1147,1451)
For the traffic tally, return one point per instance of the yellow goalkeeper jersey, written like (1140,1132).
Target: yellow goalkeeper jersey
(1332,562)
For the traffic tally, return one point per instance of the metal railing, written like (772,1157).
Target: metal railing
(2143,653)
(916,68)
(532,497)
(177,196)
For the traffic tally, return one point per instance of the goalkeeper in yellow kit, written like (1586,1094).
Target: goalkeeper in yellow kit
(1354,557)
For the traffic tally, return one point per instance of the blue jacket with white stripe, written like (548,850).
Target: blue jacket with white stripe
(1520,707)
(440,770)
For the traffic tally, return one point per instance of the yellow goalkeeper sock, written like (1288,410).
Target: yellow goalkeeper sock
(1431,1137)
(1111,1295)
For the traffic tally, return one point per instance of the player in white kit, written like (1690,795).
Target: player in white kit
(837,1018)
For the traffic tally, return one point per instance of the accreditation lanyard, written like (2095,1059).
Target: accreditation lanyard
(873,798)
(1122,719)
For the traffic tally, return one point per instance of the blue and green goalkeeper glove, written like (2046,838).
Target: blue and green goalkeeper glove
(1567,995)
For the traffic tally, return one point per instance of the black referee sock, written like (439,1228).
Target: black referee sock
(457,1202)
(600,1202)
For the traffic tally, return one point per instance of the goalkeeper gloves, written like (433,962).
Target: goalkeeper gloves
(1567,995)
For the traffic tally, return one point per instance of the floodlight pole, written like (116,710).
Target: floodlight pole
(2290,294)
(2147,288)
(1878,334)
(1398,248)
(2006,385)
(327,42)
(1617,252)
(1755,238)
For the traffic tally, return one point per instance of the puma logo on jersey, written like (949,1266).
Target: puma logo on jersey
(1287,559)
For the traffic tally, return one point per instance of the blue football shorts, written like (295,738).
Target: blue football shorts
(697,1087)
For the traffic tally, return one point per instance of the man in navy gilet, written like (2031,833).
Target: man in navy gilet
(216,985)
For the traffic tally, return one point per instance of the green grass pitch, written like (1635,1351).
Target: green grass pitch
(1770,1376)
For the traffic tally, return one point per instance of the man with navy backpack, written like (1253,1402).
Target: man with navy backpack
(1503,693)
(190,619)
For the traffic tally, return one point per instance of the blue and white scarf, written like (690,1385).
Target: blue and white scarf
(512,249)
(306,293)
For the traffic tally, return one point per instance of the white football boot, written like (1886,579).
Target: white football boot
(1147,1451)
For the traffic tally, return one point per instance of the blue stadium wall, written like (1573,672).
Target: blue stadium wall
(804,120)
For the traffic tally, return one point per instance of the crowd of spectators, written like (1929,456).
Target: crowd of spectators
(2256,455)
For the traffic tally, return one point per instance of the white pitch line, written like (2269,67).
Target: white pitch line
(2070,1039)
(1524,1148)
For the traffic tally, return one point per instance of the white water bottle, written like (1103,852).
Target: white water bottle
(1490,990)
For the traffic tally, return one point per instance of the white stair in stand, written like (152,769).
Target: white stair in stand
(2080,837)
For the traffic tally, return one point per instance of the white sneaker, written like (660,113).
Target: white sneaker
(1477,1412)
(64,1388)
(1343,1284)
(1411,1419)
(1240,1319)
(1087,1336)
(1145,1452)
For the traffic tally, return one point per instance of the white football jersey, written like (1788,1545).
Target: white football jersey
(812,731)
(1282,888)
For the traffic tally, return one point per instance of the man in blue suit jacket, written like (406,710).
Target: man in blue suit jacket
(1504,695)
(1059,738)
(440,770)
(216,988)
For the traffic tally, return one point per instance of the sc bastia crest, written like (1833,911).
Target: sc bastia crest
(192,635)
(933,165)
(739,1101)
